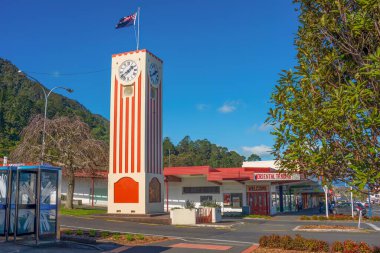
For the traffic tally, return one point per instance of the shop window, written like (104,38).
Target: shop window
(205,198)
(204,189)
(154,191)
(234,200)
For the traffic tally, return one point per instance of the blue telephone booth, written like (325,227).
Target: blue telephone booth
(29,202)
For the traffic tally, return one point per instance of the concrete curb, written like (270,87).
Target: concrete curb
(215,225)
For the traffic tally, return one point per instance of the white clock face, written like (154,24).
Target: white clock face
(128,71)
(154,75)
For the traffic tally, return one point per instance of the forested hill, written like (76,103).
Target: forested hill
(21,99)
(199,152)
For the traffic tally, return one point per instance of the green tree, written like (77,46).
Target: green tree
(168,150)
(21,99)
(326,112)
(254,157)
(198,153)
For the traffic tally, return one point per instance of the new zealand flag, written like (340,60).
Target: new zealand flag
(126,21)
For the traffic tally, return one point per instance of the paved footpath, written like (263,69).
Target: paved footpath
(170,246)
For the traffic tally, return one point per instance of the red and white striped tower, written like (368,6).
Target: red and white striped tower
(135,180)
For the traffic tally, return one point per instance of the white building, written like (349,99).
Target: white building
(256,187)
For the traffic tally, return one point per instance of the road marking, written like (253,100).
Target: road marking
(213,242)
(149,224)
(200,246)
(184,226)
(117,250)
(115,220)
(373,226)
(171,236)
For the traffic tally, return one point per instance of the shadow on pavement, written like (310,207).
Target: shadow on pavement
(146,249)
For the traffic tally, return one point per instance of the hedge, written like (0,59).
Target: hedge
(300,243)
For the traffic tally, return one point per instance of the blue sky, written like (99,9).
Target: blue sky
(221,58)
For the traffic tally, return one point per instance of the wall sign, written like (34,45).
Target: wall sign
(257,188)
(275,176)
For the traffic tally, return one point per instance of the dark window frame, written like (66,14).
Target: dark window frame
(201,190)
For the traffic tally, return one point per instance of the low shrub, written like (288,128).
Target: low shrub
(314,217)
(286,242)
(350,246)
(129,237)
(104,234)
(317,245)
(140,237)
(92,233)
(299,243)
(189,204)
(375,218)
(68,232)
(337,247)
(116,236)
(210,203)
(364,248)
(79,232)
(263,241)
(322,218)
(304,217)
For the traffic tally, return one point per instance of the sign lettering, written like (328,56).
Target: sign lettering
(275,176)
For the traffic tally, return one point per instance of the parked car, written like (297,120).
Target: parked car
(345,208)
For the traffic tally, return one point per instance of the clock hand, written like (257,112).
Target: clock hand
(129,70)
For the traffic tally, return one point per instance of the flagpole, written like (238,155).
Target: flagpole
(138,27)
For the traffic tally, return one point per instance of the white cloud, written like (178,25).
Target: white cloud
(262,128)
(265,127)
(228,107)
(261,150)
(202,107)
(56,73)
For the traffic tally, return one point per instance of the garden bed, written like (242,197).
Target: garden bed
(93,236)
(337,217)
(268,250)
(81,211)
(258,217)
(328,228)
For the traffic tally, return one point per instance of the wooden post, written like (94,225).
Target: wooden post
(167,194)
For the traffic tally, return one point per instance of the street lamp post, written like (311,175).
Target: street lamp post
(325,188)
(46,95)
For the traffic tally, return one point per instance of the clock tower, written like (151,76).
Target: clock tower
(135,180)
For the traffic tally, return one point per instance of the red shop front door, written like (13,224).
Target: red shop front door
(258,202)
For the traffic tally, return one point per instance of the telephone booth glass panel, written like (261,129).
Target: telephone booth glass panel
(3,199)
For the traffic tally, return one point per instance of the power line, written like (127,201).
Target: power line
(70,74)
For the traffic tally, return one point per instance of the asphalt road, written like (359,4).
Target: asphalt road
(247,232)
